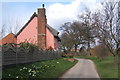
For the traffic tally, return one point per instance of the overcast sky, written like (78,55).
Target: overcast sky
(57,11)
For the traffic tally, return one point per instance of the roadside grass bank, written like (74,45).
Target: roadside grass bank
(105,68)
(43,69)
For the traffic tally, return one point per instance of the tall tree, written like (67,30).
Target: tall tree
(107,23)
(75,32)
(66,44)
(86,20)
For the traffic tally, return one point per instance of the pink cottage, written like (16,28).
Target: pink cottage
(38,32)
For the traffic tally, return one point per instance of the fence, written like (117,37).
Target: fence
(17,55)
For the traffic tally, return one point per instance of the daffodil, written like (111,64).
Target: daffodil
(20,69)
(24,67)
(16,76)
(29,70)
(33,75)
(29,73)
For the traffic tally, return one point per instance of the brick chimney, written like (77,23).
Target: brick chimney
(42,21)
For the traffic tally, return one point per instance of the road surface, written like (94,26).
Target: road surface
(83,69)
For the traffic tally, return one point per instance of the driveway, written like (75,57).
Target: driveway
(83,69)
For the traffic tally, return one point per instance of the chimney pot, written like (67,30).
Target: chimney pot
(43,5)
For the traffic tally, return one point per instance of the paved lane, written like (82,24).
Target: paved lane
(83,69)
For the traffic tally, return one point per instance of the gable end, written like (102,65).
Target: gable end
(34,15)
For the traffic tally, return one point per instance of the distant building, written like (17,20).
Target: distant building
(36,31)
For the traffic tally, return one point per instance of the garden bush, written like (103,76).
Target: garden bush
(67,55)
(29,46)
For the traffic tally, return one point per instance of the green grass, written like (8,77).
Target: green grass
(44,69)
(105,68)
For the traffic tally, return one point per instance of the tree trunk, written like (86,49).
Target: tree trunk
(76,49)
(88,50)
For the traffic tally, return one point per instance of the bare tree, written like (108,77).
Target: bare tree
(17,26)
(74,34)
(107,23)
(103,25)
(2,32)
(89,36)
(11,26)
(118,29)
(66,44)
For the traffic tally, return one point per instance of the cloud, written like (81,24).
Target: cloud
(58,13)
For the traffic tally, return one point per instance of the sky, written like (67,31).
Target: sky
(57,11)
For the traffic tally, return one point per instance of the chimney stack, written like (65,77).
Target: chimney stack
(42,21)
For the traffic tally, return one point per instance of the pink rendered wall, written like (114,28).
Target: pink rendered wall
(49,39)
(29,33)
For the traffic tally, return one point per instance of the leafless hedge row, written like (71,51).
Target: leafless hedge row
(17,55)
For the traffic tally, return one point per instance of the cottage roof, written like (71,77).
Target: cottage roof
(52,30)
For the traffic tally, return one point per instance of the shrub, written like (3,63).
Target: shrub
(50,48)
(67,55)
(101,51)
(29,46)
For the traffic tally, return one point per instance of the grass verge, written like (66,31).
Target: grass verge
(44,69)
(106,68)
